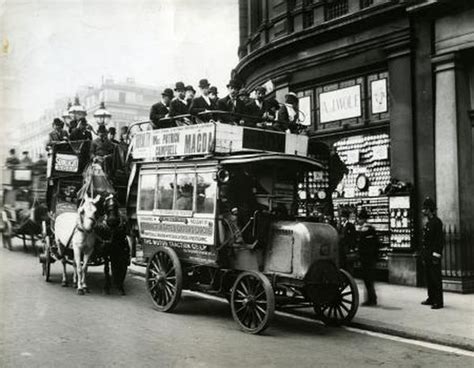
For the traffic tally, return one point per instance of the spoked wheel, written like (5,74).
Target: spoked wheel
(252,302)
(344,306)
(164,279)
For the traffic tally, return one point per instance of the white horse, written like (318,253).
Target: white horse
(77,229)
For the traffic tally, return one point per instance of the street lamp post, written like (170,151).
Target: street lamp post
(102,115)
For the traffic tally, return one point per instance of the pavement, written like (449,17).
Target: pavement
(400,313)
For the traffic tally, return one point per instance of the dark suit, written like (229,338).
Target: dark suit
(368,251)
(178,107)
(199,104)
(433,243)
(258,111)
(226,104)
(56,136)
(79,134)
(158,111)
(284,121)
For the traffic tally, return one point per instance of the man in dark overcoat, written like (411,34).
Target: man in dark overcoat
(161,109)
(433,240)
(179,106)
(203,102)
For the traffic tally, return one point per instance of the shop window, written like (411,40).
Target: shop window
(184,192)
(165,192)
(147,192)
(335,9)
(205,193)
(366,3)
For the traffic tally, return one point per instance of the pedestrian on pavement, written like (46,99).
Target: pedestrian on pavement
(161,110)
(12,160)
(433,240)
(347,241)
(368,252)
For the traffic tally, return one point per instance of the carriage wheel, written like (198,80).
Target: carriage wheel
(345,305)
(164,279)
(252,302)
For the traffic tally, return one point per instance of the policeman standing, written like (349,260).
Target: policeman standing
(431,254)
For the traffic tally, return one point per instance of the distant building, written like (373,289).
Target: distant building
(127,101)
(389,85)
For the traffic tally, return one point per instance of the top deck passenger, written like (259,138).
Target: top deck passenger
(161,109)
(203,102)
(179,106)
(58,134)
(229,102)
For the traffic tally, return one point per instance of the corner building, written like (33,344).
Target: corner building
(389,85)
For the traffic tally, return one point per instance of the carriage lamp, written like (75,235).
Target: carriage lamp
(102,115)
(77,111)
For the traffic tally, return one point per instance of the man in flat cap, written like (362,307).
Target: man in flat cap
(203,102)
(161,109)
(433,240)
(179,106)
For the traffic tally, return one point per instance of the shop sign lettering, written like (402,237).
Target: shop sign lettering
(344,103)
(177,141)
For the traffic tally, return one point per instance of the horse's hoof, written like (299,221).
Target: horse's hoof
(80,292)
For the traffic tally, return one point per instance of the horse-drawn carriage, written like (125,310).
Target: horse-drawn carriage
(23,207)
(237,212)
(78,213)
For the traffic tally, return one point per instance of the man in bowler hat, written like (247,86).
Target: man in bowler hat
(431,254)
(214,94)
(203,102)
(368,252)
(259,107)
(189,97)
(179,106)
(229,103)
(161,109)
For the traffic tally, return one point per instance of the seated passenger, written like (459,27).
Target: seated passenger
(102,149)
(185,197)
(81,133)
(160,110)
(287,118)
(58,134)
(111,134)
(214,95)
(203,102)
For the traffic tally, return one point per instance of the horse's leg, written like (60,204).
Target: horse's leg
(64,277)
(84,270)
(23,236)
(77,260)
(33,244)
(107,274)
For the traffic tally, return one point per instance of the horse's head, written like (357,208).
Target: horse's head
(87,213)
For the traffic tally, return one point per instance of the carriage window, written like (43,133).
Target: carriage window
(147,192)
(184,192)
(206,193)
(165,194)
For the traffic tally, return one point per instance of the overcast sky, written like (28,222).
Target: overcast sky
(50,48)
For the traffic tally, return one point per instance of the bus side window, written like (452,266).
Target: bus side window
(147,192)
(184,192)
(206,193)
(165,191)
